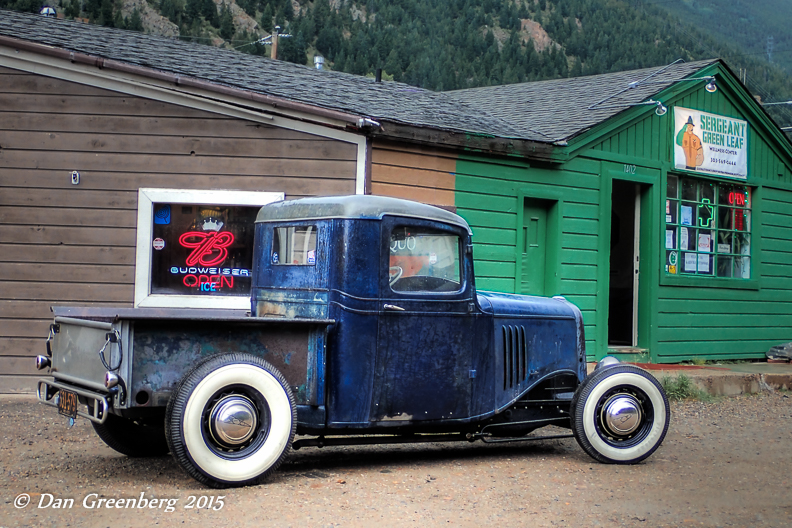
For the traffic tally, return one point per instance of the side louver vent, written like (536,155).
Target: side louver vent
(515,356)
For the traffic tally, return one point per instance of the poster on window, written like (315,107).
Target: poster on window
(710,143)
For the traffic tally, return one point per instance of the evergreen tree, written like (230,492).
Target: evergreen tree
(92,8)
(226,23)
(451,44)
(266,18)
(106,17)
(71,9)
(135,22)
(293,49)
(171,10)
(118,20)
(192,10)
(209,12)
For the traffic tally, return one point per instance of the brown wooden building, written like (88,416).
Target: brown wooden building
(91,138)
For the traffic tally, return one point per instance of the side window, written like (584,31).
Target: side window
(294,246)
(423,260)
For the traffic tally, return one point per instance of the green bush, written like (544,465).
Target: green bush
(682,387)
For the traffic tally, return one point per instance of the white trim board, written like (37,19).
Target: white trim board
(147,197)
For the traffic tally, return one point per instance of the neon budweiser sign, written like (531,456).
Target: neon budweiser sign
(203,268)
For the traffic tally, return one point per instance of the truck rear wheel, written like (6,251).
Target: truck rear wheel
(134,438)
(620,415)
(231,420)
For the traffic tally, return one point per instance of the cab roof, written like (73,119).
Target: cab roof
(355,207)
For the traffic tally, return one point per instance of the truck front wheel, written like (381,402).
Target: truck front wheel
(620,415)
(231,420)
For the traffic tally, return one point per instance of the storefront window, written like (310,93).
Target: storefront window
(708,228)
(202,249)
(195,247)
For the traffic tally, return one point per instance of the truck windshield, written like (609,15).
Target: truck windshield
(295,246)
(423,260)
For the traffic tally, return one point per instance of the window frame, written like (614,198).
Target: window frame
(706,281)
(395,222)
(314,227)
(147,197)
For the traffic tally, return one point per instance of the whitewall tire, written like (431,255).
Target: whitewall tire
(231,420)
(620,415)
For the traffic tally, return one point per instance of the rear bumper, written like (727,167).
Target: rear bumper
(47,393)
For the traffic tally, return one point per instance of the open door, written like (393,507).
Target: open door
(624,264)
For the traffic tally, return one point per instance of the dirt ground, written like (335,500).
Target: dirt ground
(726,463)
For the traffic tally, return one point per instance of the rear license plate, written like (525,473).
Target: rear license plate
(67,403)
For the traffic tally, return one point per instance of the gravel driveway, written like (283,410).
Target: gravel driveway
(726,463)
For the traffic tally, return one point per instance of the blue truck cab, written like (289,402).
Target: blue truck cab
(365,327)
(413,342)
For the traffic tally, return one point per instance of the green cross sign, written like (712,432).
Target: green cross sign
(705,217)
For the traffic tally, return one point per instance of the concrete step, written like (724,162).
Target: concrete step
(727,379)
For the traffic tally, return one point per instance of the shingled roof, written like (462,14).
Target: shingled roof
(544,112)
(560,109)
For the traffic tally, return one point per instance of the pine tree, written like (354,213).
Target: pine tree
(135,22)
(226,23)
(106,13)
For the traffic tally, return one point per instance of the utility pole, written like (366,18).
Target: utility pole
(272,40)
(276,35)
(770,49)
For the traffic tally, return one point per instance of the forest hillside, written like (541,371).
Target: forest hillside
(452,44)
(760,29)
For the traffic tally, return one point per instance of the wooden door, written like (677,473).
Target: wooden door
(534,256)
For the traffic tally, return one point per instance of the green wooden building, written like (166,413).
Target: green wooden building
(658,200)
(674,240)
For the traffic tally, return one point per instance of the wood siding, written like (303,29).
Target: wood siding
(676,321)
(697,318)
(488,197)
(413,173)
(64,244)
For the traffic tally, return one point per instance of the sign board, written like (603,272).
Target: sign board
(202,249)
(710,143)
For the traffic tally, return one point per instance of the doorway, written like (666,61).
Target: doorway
(624,264)
(538,245)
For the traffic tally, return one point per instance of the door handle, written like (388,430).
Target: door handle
(393,308)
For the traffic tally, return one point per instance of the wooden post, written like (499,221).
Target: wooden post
(275,35)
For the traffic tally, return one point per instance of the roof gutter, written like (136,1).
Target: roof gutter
(179,80)
(536,150)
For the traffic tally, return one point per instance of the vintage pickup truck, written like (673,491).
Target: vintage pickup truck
(365,327)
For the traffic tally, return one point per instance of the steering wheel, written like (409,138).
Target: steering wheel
(394,274)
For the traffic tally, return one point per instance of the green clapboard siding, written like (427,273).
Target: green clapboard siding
(678,319)
(719,323)
(489,196)
(698,321)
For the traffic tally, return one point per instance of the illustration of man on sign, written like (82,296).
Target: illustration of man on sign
(691,144)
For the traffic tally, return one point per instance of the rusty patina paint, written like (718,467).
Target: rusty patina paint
(164,352)
(292,304)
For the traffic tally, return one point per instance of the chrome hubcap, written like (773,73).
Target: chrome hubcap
(233,420)
(622,414)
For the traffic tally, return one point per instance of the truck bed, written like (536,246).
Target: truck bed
(157,346)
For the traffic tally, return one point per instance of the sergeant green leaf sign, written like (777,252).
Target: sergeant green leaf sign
(710,143)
